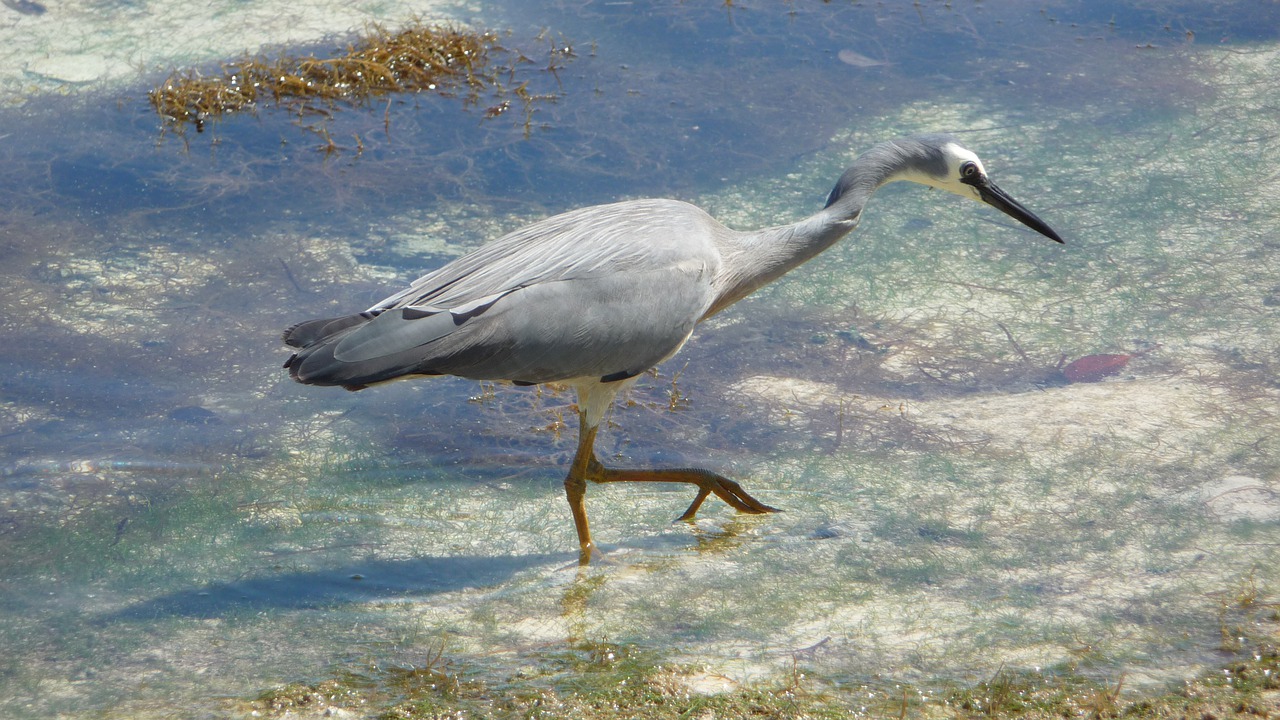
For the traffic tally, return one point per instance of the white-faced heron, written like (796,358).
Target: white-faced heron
(594,297)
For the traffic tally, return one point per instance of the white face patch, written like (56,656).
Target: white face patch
(957,156)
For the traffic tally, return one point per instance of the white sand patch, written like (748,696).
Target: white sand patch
(1157,410)
(81,44)
(1239,497)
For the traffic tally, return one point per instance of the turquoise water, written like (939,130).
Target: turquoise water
(182,526)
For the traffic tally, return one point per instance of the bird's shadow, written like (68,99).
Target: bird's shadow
(362,582)
(393,581)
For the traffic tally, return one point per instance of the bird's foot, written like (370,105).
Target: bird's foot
(725,489)
(708,483)
(589,553)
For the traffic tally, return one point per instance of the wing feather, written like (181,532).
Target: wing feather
(399,329)
(589,242)
(603,292)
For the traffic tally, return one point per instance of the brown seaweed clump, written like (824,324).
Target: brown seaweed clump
(435,58)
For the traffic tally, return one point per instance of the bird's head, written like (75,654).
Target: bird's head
(940,161)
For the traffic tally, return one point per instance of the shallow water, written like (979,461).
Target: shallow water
(181,525)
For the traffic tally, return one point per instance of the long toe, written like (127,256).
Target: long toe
(742,500)
(693,507)
(729,491)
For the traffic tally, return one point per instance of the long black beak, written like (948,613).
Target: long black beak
(999,199)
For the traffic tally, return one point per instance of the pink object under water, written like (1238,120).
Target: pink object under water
(1092,368)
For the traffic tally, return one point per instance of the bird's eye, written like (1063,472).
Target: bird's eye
(969,170)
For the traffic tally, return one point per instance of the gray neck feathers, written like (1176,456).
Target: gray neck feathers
(885,163)
(754,259)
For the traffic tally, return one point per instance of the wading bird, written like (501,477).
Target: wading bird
(594,297)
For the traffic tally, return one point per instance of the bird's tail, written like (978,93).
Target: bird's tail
(314,362)
(309,332)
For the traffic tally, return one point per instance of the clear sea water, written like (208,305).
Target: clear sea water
(182,526)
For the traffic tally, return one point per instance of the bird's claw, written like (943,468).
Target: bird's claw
(729,491)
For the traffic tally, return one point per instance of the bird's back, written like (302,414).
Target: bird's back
(605,292)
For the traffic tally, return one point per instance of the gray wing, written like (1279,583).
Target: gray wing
(604,292)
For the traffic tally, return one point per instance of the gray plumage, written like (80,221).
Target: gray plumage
(602,291)
(596,296)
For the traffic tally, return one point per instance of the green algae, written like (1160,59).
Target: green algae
(607,680)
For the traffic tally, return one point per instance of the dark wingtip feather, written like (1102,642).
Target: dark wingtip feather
(286,337)
(309,332)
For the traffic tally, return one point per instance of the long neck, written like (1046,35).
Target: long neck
(752,260)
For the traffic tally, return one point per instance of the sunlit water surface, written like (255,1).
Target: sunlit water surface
(180,524)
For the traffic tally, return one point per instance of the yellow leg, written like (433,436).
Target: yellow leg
(575,488)
(586,467)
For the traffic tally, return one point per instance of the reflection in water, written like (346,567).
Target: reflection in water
(951,506)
